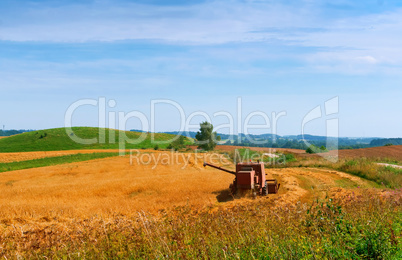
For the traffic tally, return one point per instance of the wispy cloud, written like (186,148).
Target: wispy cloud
(349,36)
(208,22)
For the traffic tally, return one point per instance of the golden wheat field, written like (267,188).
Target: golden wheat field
(149,182)
(111,185)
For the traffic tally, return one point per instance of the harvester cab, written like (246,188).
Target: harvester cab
(250,176)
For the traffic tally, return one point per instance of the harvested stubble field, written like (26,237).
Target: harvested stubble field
(167,203)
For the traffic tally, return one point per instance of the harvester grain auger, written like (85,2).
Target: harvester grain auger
(250,176)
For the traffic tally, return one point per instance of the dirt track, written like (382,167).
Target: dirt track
(113,185)
(390,165)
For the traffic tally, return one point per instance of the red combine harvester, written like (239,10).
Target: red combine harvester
(250,176)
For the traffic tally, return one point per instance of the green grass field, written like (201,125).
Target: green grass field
(57,139)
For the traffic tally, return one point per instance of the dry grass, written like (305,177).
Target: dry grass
(358,225)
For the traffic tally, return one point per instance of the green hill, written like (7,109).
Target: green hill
(58,139)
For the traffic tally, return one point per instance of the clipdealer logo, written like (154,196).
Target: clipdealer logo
(236,123)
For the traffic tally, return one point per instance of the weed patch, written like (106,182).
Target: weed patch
(365,228)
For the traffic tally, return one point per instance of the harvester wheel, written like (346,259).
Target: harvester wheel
(233,187)
(265,189)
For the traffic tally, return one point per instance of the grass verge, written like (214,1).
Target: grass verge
(368,169)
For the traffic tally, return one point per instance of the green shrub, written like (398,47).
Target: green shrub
(314,149)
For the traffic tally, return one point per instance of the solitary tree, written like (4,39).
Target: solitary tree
(206,137)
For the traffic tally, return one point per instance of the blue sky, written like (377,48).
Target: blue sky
(276,55)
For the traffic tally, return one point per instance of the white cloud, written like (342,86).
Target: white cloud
(368,59)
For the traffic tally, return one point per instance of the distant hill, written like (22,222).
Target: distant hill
(57,139)
(224,136)
(364,140)
(13,132)
(292,141)
(387,141)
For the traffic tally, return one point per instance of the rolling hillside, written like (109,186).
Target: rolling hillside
(57,139)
